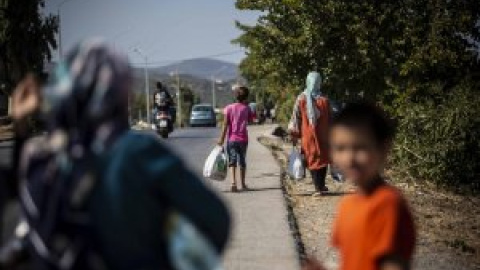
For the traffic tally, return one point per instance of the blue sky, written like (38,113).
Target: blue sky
(164,30)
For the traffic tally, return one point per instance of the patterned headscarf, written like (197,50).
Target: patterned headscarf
(312,92)
(88,93)
(86,109)
(85,106)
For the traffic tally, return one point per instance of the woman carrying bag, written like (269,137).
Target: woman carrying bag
(309,122)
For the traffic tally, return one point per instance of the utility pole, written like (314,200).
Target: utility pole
(147,90)
(147,84)
(214,94)
(179,101)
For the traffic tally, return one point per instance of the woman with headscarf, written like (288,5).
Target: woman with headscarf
(95,195)
(309,122)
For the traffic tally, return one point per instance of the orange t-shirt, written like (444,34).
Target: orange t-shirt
(370,227)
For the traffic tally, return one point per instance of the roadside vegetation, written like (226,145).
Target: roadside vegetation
(418,59)
(447,223)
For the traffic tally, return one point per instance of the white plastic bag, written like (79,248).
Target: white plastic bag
(216,165)
(188,247)
(296,169)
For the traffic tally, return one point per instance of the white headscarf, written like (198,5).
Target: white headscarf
(312,92)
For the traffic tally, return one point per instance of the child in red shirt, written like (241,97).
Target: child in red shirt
(374,228)
(236,118)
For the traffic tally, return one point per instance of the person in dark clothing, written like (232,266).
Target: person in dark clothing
(163,102)
(162,96)
(99,193)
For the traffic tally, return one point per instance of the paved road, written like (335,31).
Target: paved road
(261,237)
(193,145)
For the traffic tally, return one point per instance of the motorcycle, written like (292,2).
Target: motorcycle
(163,124)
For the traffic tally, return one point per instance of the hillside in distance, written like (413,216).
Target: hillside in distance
(202,68)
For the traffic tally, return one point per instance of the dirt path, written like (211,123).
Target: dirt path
(448,225)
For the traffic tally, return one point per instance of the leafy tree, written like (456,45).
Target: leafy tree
(26,39)
(413,56)
(372,47)
(188,100)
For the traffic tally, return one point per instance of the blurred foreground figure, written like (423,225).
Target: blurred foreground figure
(97,196)
(374,227)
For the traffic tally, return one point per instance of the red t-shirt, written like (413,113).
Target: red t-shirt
(368,228)
(238,115)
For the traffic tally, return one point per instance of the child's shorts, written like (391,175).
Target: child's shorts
(237,152)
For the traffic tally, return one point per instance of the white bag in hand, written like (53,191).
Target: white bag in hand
(188,248)
(296,170)
(216,165)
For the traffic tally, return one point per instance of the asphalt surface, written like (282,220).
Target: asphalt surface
(261,238)
(193,145)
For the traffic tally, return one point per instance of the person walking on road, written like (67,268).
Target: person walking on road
(236,119)
(94,194)
(310,123)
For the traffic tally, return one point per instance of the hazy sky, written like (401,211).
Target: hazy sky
(162,29)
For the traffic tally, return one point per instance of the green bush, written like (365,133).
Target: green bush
(285,105)
(438,139)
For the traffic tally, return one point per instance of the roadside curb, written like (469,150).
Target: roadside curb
(292,219)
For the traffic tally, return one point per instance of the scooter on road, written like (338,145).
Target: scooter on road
(163,124)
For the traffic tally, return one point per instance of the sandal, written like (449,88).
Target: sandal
(234,189)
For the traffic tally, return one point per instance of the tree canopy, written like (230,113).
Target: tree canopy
(27,37)
(374,47)
(418,58)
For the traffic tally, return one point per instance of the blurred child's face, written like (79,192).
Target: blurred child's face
(356,153)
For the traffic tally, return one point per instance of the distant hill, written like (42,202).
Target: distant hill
(202,68)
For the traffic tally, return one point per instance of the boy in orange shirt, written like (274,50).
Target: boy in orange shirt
(374,228)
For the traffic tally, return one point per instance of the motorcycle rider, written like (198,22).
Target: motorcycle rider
(163,102)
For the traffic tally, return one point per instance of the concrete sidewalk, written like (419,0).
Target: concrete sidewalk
(262,239)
